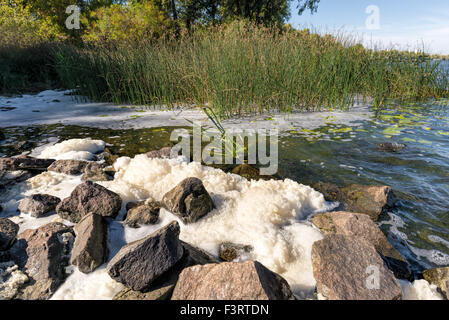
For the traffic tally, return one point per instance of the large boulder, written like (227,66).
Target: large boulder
(440,278)
(8,233)
(189,200)
(89,197)
(360,225)
(24,163)
(248,280)
(71,167)
(348,268)
(39,204)
(40,253)
(371,200)
(143,214)
(162,288)
(138,264)
(90,249)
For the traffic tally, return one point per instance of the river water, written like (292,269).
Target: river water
(337,152)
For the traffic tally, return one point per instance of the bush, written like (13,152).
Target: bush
(131,23)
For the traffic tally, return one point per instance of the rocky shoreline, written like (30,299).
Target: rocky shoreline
(33,263)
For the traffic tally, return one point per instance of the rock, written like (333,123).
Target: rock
(345,268)
(12,177)
(24,163)
(162,288)
(23,145)
(249,172)
(8,233)
(371,200)
(40,254)
(94,172)
(230,251)
(90,249)
(360,225)
(390,146)
(71,167)
(39,204)
(2,136)
(146,213)
(440,278)
(164,153)
(89,197)
(140,263)
(189,200)
(248,280)
(108,157)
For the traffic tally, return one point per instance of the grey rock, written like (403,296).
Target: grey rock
(248,280)
(390,146)
(90,249)
(24,163)
(89,197)
(370,200)
(143,214)
(138,264)
(346,268)
(189,200)
(164,153)
(40,254)
(360,225)
(70,167)
(39,204)
(8,233)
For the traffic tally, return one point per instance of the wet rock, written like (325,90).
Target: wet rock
(162,288)
(231,251)
(348,268)
(359,225)
(108,157)
(370,200)
(24,163)
(12,177)
(94,172)
(23,145)
(2,136)
(250,173)
(39,204)
(440,278)
(71,167)
(90,249)
(11,280)
(164,153)
(248,280)
(89,197)
(8,233)
(189,200)
(140,263)
(145,213)
(40,254)
(390,146)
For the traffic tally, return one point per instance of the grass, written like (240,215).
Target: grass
(241,68)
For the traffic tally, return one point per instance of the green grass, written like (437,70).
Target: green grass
(240,68)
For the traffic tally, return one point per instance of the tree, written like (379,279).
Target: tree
(311,5)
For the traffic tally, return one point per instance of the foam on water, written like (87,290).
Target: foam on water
(77,149)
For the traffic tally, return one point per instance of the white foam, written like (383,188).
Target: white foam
(419,290)
(76,149)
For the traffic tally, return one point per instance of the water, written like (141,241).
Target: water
(340,154)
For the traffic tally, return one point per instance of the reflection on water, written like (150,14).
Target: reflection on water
(419,173)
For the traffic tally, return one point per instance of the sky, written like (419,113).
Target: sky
(401,24)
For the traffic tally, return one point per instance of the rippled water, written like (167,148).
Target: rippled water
(419,174)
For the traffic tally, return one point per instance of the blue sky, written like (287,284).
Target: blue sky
(404,24)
